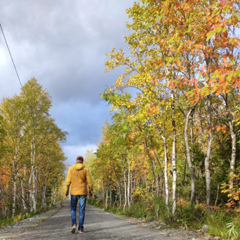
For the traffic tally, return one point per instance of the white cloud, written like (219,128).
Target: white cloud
(3,60)
(72,151)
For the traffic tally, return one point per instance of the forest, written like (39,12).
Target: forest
(171,150)
(32,169)
(172,147)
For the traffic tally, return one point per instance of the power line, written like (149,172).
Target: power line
(10,55)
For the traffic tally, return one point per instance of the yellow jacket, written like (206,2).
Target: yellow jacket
(78,177)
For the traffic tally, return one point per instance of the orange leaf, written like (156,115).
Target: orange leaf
(191,81)
(223,3)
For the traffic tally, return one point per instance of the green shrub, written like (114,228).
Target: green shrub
(222,223)
(136,210)
(191,217)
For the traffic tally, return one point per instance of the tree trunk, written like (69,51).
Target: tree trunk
(103,191)
(157,184)
(208,153)
(23,195)
(111,193)
(202,131)
(43,200)
(125,190)
(30,192)
(233,155)
(188,155)
(106,200)
(120,193)
(233,141)
(158,175)
(152,165)
(131,187)
(165,170)
(174,167)
(166,191)
(34,181)
(128,185)
(14,188)
(14,181)
(34,205)
(33,196)
(217,194)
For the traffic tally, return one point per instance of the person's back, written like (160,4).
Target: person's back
(79,178)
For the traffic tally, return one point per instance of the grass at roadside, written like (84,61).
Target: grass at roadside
(17,218)
(22,216)
(219,221)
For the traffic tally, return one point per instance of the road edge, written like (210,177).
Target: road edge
(14,230)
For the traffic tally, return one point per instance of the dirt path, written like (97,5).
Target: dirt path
(98,225)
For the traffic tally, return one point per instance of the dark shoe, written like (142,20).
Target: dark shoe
(73,228)
(81,231)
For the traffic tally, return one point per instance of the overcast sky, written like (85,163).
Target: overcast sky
(62,43)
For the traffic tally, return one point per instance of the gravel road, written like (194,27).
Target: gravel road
(98,225)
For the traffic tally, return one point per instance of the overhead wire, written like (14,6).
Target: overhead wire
(10,55)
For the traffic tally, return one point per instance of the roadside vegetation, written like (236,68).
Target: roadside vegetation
(171,151)
(219,221)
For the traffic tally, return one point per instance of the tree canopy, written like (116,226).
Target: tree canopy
(32,163)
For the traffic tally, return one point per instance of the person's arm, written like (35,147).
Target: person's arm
(90,183)
(68,182)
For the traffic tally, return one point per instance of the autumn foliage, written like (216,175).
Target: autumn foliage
(175,128)
(31,160)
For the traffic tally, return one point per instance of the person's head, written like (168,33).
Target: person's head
(79,159)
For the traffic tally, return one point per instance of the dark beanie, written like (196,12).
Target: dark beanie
(79,158)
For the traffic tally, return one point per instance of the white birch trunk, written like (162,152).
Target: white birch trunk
(128,185)
(174,167)
(106,200)
(208,153)
(188,156)
(233,155)
(166,190)
(30,192)
(125,190)
(165,172)
(34,204)
(14,189)
(23,196)
(33,155)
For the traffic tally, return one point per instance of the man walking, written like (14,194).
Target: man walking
(79,178)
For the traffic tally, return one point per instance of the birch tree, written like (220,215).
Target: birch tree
(13,122)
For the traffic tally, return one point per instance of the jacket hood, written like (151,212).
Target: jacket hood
(78,166)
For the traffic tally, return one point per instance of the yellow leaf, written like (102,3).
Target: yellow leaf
(236,198)
(238,210)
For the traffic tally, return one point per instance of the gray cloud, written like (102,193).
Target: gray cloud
(82,120)
(63,44)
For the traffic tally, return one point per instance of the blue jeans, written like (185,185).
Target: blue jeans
(82,204)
